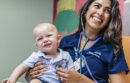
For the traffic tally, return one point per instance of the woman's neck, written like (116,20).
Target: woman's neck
(91,33)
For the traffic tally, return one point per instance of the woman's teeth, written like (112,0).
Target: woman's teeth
(97,19)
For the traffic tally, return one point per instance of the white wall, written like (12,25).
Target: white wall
(127,0)
(17,20)
(126,18)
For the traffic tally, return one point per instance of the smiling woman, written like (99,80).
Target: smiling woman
(96,48)
(96,19)
(98,15)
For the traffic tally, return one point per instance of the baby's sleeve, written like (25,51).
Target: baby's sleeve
(31,60)
(70,63)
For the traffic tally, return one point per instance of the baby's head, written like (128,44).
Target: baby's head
(46,37)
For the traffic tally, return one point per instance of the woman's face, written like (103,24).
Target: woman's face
(98,14)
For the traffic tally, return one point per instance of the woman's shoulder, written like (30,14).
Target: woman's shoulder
(107,51)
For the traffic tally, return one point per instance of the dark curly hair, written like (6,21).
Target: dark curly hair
(112,33)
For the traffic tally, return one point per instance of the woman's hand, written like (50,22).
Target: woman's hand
(68,76)
(36,70)
(71,76)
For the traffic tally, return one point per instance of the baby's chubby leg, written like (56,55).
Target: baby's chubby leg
(35,81)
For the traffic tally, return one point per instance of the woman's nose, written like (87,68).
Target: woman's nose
(100,12)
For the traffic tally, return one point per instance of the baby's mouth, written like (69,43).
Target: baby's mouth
(47,45)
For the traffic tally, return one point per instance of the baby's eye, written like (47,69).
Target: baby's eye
(39,39)
(49,35)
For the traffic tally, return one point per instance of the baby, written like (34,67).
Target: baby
(47,39)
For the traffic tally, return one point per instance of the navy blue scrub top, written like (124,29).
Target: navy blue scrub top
(99,56)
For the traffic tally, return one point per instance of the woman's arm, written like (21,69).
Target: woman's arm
(69,76)
(118,78)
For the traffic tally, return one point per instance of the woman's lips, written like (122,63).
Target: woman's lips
(96,19)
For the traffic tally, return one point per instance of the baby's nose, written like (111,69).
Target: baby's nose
(45,40)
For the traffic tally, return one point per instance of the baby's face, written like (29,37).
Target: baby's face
(46,38)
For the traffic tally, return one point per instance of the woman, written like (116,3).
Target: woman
(103,56)
(98,44)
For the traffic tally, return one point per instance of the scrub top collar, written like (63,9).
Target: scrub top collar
(74,41)
(90,46)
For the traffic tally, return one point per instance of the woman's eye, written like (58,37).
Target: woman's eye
(108,11)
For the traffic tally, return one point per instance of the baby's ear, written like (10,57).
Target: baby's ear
(59,36)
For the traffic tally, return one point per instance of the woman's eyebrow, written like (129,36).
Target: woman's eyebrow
(97,3)
(101,5)
(108,8)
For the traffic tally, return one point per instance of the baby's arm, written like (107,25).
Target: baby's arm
(19,70)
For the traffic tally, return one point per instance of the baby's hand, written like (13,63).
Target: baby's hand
(4,80)
(10,80)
